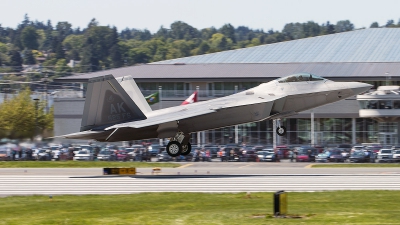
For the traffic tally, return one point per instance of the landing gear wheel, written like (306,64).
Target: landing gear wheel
(281,131)
(186,149)
(174,148)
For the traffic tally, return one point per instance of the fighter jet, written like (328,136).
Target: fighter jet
(116,110)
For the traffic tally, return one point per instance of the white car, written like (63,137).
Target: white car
(104,155)
(83,155)
(385,155)
(396,155)
(357,147)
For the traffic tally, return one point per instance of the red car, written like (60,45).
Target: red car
(306,154)
(122,155)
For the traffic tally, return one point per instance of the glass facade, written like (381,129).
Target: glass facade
(327,131)
(379,104)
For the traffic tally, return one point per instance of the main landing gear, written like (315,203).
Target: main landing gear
(179,145)
(280,130)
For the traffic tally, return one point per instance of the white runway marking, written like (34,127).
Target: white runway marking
(54,185)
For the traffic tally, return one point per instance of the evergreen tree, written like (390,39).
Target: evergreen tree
(29,59)
(90,61)
(60,53)
(330,28)
(228,31)
(29,38)
(46,45)
(162,33)
(15,61)
(74,55)
(115,53)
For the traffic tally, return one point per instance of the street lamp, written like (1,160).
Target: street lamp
(36,115)
(45,80)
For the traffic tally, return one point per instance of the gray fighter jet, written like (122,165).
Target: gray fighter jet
(115,110)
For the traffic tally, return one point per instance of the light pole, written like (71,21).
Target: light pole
(36,115)
(46,81)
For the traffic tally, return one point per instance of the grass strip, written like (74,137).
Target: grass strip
(81,164)
(338,207)
(355,165)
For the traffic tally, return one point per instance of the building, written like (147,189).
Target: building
(366,55)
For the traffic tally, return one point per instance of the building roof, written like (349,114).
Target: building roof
(365,45)
(367,54)
(246,72)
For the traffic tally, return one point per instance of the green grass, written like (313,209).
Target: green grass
(339,207)
(355,165)
(80,164)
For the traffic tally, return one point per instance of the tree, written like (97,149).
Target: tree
(374,25)
(390,23)
(116,56)
(181,30)
(203,48)
(344,25)
(15,60)
(329,28)
(63,29)
(46,45)
(228,31)
(62,69)
(136,55)
(60,53)
(90,61)
(21,118)
(29,59)
(29,38)
(162,33)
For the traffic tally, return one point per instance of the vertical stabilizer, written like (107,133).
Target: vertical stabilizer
(134,92)
(107,103)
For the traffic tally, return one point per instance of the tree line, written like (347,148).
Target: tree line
(99,47)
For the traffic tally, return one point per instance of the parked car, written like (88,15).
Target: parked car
(357,147)
(213,151)
(3,155)
(306,154)
(358,156)
(266,156)
(344,147)
(43,155)
(322,157)
(154,149)
(83,155)
(396,155)
(104,155)
(385,155)
(248,156)
(122,155)
(335,155)
(283,151)
(164,157)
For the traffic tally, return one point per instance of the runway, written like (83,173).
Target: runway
(56,185)
(197,177)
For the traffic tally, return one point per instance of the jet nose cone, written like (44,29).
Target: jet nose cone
(358,87)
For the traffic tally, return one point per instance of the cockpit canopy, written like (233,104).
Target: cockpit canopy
(300,77)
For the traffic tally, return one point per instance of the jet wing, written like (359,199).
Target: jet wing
(83,135)
(164,118)
(192,110)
